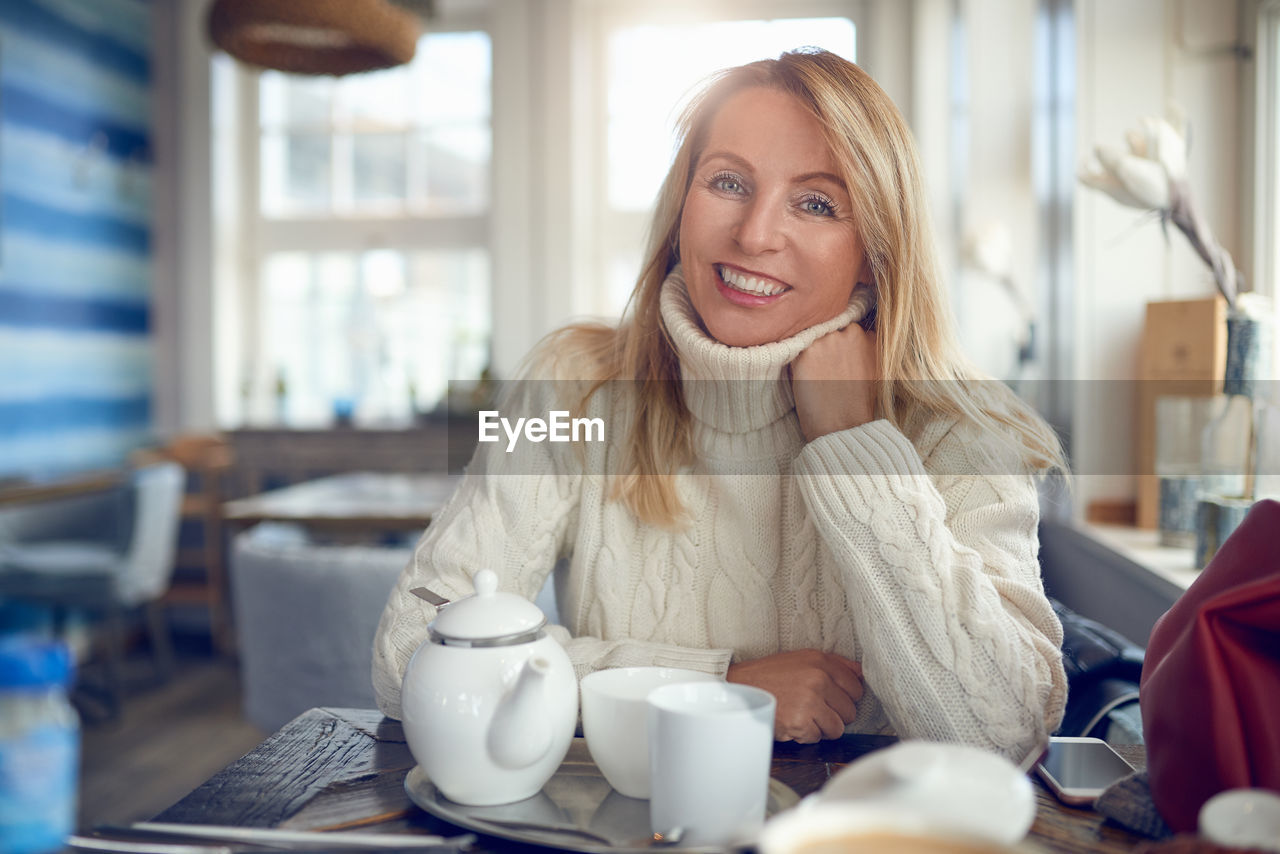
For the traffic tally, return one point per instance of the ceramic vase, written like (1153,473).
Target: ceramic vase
(1229,442)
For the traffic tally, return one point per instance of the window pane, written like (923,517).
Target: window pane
(291,100)
(413,139)
(447,319)
(375,100)
(451,78)
(645,97)
(286,296)
(640,150)
(623,269)
(382,273)
(379,167)
(456,168)
(380,333)
(295,172)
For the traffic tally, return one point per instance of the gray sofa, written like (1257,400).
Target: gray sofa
(305,619)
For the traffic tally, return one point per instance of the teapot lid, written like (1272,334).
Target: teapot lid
(488,618)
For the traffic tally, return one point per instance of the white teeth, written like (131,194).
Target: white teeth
(748,284)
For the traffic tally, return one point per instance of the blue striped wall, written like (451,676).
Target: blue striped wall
(75,207)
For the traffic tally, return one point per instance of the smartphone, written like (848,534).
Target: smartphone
(1077,770)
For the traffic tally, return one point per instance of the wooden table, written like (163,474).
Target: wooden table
(72,486)
(352,502)
(345,768)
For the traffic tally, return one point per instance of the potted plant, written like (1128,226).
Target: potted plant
(1152,175)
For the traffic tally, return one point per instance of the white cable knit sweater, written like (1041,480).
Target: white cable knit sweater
(909,555)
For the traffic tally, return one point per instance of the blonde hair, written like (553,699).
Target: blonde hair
(925,374)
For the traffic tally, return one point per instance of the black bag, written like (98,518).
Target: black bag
(1103,671)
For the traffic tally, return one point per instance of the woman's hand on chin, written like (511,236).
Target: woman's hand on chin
(817,692)
(834,381)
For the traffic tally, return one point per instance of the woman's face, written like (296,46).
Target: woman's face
(767,238)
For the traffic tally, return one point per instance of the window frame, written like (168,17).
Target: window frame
(258,236)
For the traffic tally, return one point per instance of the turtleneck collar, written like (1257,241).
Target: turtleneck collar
(736,389)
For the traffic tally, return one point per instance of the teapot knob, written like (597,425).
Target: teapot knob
(486,582)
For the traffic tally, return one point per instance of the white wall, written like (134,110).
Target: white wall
(1132,58)
(181,228)
(994,180)
(166,207)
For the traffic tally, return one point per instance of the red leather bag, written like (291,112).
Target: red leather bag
(1210,689)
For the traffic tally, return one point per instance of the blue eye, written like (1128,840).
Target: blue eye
(727,183)
(817,205)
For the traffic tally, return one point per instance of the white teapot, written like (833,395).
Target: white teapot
(489,701)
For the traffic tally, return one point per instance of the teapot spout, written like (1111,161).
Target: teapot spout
(520,732)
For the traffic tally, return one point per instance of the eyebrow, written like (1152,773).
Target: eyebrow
(798,179)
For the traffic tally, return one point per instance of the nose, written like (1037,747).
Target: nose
(761,227)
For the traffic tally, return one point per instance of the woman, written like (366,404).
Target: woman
(831,510)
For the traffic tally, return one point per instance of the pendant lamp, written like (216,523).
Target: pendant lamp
(315,36)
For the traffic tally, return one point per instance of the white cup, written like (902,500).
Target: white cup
(1242,818)
(615,721)
(710,747)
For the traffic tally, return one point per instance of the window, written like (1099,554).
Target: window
(382,244)
(643,98)
(366,239)
(1267,225)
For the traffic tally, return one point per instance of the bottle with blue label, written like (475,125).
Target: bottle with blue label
(39,746)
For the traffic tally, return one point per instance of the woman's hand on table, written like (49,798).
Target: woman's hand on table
(817,692)
(834,381)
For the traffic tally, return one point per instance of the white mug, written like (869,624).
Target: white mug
(710,747)
(615,721)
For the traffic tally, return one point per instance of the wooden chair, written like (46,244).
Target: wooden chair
(76,574)
(200,574)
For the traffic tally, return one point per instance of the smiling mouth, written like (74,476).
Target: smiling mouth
(749,284)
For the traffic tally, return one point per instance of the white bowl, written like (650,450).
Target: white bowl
(814,822)
(949,789)
(615,718)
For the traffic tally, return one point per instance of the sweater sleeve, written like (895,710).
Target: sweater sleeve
(940,571)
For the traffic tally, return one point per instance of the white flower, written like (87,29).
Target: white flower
(989,247)
(1160,141)
(1168,148)
(1130,179)
(1152,175)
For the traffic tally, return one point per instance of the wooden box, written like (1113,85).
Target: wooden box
(1184,352)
